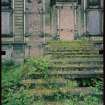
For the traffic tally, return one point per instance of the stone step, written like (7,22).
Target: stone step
(69,42)
(74,56)
(71,53)
(54,49)
(21,6)
(18,23)
(18,6)
(21,2)
(77,59)
(18,0)
(44,81)
(70,45)
(80,67)
(18,9)
(20,20)
(97,42)
(19,33)
(97,60)
(34,83)
(18,12)
(18,39)
(19,26)
(18,3)
(50,92)
(76,62)
(19,17)
(73,74)
(19,29)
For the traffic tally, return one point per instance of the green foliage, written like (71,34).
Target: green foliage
(13,92)
(11,77)
(17,98)
(35,65)
(8,64)
(71,84)
(39,102)
(98,84)
(11,86)
(88,100)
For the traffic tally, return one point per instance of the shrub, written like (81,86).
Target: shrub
(34,65)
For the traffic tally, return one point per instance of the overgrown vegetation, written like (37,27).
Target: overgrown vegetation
(14,92)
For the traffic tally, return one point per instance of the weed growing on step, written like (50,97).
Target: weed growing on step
(36,65)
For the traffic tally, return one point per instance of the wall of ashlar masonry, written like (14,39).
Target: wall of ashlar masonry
(34,27)
(9,50)
(33,17)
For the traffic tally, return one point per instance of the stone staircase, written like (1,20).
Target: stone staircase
(76,56)
(69,62)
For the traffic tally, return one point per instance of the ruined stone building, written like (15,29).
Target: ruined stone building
(27,24)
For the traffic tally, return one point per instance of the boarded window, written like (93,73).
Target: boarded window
(5,22)
(94,22)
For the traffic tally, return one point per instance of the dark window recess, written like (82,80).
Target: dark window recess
(18,49)
(2,52)
(52,2)
(29,1)
(79,2)
(94,2)
(101,51)
(39,1)
(66,0)
(5,2)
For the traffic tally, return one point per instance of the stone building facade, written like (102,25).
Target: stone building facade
(74,18)
(26,24)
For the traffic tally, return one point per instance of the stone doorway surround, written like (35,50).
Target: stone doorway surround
(66,20)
